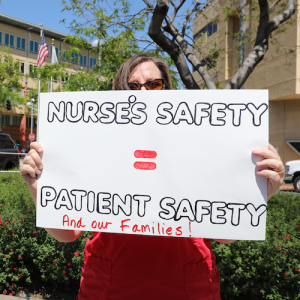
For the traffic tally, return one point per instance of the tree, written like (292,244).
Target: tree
(116,29)
(10,77)
(169,33)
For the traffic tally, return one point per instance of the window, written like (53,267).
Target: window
(16,121)
(209,29)
(210,61)
(0,37)
(56,50)
(92,61)
(235,21)
(22,67)
(83,60)
(5,119)
(295,145)
(28,122)
(63,57)
(74,58)
(20,43)
(32,69)
(34,47)
(65,77)
(9,40)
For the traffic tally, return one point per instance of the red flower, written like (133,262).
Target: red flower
(288,236)
(298,254)
(11,250)
(59,256)
(285,274)
(35,232)
(19,256)
(69,264)
(2,205)
(10,294)
(67,278)
(15,269)
(59,247)
(298,270)
(65,271)
(284,252)
(292,246)
(12,230)
(4,256)
(278,247)
(54,261)
(76,253)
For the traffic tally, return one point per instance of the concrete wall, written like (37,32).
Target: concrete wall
(279,72)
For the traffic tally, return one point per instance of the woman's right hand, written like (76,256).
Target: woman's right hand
(31,167)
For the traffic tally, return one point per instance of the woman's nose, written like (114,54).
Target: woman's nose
(143,88)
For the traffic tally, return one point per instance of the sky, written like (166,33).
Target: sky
(46,12)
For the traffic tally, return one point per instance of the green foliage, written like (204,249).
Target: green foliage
(10,77)
(29,257)
(116,30)
(265,269)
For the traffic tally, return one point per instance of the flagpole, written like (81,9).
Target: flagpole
(39,86)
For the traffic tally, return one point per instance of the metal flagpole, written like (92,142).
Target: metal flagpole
(39,86)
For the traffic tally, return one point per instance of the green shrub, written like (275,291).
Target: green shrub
(30,258)
(265,269)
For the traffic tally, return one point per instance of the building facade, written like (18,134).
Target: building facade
(279,72)
(23,39)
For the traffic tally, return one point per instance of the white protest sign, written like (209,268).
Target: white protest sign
(168,163)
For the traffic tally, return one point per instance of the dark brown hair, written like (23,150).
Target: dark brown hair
(121,79)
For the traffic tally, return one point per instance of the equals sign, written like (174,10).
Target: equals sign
(145,165)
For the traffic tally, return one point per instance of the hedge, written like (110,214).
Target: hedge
(31,259)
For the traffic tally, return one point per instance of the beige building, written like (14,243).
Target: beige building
(279,72)
(23,38)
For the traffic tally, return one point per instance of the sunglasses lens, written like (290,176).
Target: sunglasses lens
(133,85)
(156,84)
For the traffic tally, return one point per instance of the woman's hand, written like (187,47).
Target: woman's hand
(31,167)
(273,168)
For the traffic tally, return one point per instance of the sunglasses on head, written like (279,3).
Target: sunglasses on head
(154,84)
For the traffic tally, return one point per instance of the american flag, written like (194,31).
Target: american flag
(43,51)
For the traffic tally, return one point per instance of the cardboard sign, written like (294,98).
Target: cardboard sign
(168,163)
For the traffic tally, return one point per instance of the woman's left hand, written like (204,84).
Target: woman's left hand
(273,168)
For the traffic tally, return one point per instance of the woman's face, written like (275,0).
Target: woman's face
(144,72)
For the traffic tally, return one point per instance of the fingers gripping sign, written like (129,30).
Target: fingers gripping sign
(272,168)
(32,166)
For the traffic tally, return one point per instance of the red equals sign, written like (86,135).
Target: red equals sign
(145,165)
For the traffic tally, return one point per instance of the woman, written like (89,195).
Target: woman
(123,266)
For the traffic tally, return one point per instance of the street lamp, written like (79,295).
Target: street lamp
(31,104)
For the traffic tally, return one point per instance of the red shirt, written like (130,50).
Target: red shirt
(138,267)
